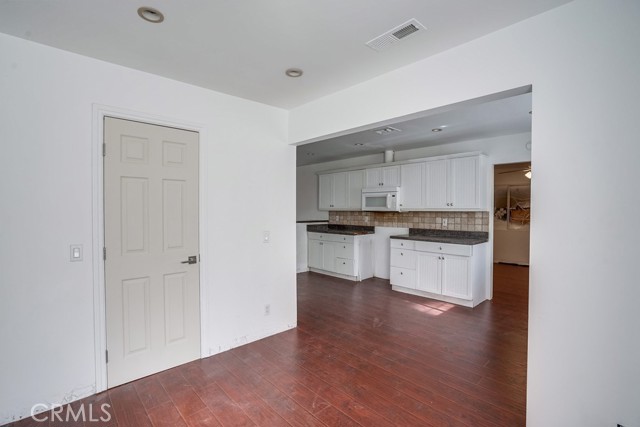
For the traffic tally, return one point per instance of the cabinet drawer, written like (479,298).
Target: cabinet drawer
(403,244)
(339,238)
(345,266)
(316,236)
(444,248)
(403,277)
(344,250)
(403,258)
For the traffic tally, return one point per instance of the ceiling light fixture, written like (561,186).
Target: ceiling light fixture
(294,72)
(150,14)
(436,130)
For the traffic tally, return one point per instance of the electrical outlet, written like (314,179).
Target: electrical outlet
(267,309)
(266,237)
(445,221)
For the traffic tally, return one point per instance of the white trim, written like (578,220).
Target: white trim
(100,324)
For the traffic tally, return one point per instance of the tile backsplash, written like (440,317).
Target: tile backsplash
(463,221)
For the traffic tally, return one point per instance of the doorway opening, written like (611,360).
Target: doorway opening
(511,232)
(512,213)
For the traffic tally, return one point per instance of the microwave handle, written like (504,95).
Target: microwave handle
(388,201)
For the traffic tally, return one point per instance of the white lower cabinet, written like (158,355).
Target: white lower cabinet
(348,257)
(448,272)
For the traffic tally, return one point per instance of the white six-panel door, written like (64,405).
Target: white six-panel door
(151,227)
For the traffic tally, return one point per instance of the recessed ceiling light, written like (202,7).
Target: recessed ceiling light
(150,14)
(436,130)
(294,72)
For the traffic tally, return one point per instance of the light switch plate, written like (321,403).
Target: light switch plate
(75,253)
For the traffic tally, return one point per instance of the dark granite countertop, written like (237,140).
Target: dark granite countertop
(445,236)
(349,230)
(309,221)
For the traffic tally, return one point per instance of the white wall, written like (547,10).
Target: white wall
(583,62)
(46,302)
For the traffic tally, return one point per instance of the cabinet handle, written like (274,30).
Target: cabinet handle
(344,247)
(401,273)
(440,247)
(321,243)
(401,254)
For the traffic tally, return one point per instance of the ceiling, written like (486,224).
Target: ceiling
(242,47)
(467,121)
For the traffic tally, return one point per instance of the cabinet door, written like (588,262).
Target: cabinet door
(315,254)
(355,184)
(455,277)
(429,274)
(325,192)
(373,177)
(340,190)
(328,256)
(411,190)
(391,176)
(435,184)
(464,189)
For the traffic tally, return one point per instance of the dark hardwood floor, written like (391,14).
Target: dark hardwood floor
(362,355)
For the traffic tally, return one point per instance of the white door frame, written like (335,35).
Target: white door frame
(99,288)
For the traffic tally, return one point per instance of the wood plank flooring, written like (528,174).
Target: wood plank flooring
(362,355)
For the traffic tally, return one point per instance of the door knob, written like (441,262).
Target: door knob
(191,260)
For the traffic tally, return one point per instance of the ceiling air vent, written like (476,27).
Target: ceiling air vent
(386,130)
(395,35)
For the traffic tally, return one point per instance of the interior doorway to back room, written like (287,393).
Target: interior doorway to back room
(512,213)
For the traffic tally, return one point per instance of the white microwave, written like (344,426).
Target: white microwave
(381,199)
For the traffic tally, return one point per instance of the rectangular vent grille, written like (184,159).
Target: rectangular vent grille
(395,35)
(404,32)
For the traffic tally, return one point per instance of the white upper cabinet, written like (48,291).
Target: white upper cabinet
(455,184)
(386,176)
(435,184)
(464,183)
(340,190)
(412,177)
(325,191)
(356,183)
(447,183)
